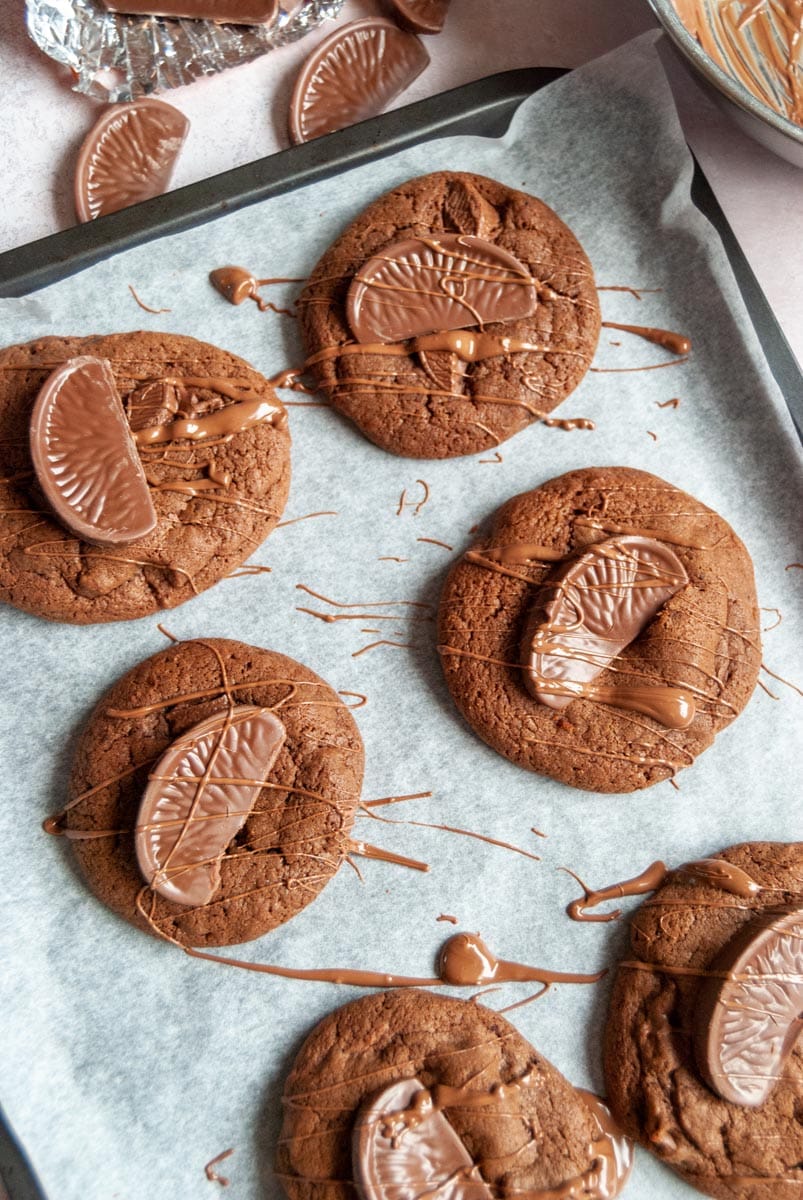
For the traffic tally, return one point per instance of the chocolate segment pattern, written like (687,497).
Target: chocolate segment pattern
(432,285)
(128,156)
(421,16)
(199,796)
(85,458)
(588,610)
(353,75)
(238,12)
(747,1023)
(428,1157)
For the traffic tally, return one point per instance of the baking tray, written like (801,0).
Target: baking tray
(483,108)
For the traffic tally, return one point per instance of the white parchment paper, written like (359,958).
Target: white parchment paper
(127,1066)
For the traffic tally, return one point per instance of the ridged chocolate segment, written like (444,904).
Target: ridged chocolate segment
(85,458)
(128,156)
(428,1157)
(421,16)
(747,1023)
(354,74)
(428,285)
(199,796)
(590,608)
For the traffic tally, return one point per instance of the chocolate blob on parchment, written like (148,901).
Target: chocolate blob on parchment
(295,835)
(682,941)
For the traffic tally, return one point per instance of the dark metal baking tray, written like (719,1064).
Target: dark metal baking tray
(484,108)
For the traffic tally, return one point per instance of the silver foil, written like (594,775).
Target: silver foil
(121,58)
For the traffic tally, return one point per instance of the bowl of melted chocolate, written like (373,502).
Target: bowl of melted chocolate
(750,53)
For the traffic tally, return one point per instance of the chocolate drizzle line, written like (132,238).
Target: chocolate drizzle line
(480,837)
(637,292)
(306,517)
(717,872)
(464,961)
(211,1173)
(382,642)
(674,362)
(146,307)
(415,505)
(676,342)
(781,679)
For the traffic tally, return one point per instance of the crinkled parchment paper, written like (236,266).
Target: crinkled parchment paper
(127,1066)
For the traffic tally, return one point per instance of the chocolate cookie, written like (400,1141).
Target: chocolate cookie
(703,1055)
(213,442)
(603,630)
(451,314)
(213,857)
(412,1093)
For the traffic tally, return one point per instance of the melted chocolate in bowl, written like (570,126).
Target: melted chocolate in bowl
(749,54)
(757,42)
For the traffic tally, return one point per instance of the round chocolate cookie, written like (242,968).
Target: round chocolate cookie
(446,252)
(703,1054)
(555,660)
(249,857)
(464,1097)
(216,497)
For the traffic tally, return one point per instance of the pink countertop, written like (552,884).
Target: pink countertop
(241,115)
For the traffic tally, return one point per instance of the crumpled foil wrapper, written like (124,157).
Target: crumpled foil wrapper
(120,58)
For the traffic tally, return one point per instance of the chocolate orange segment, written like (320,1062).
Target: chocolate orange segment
(128,156)
(198,798)
(428,1157)
(421,16)
(749,1013)
(431,285)
(354,74)
(590,608)
(85,458)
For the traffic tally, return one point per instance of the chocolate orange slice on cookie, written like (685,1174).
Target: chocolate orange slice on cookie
(85,458)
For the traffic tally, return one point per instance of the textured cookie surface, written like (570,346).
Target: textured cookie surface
(654,1087)
(198,539)
(296,835)
(705,638)
(440,413)
(360,1049)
